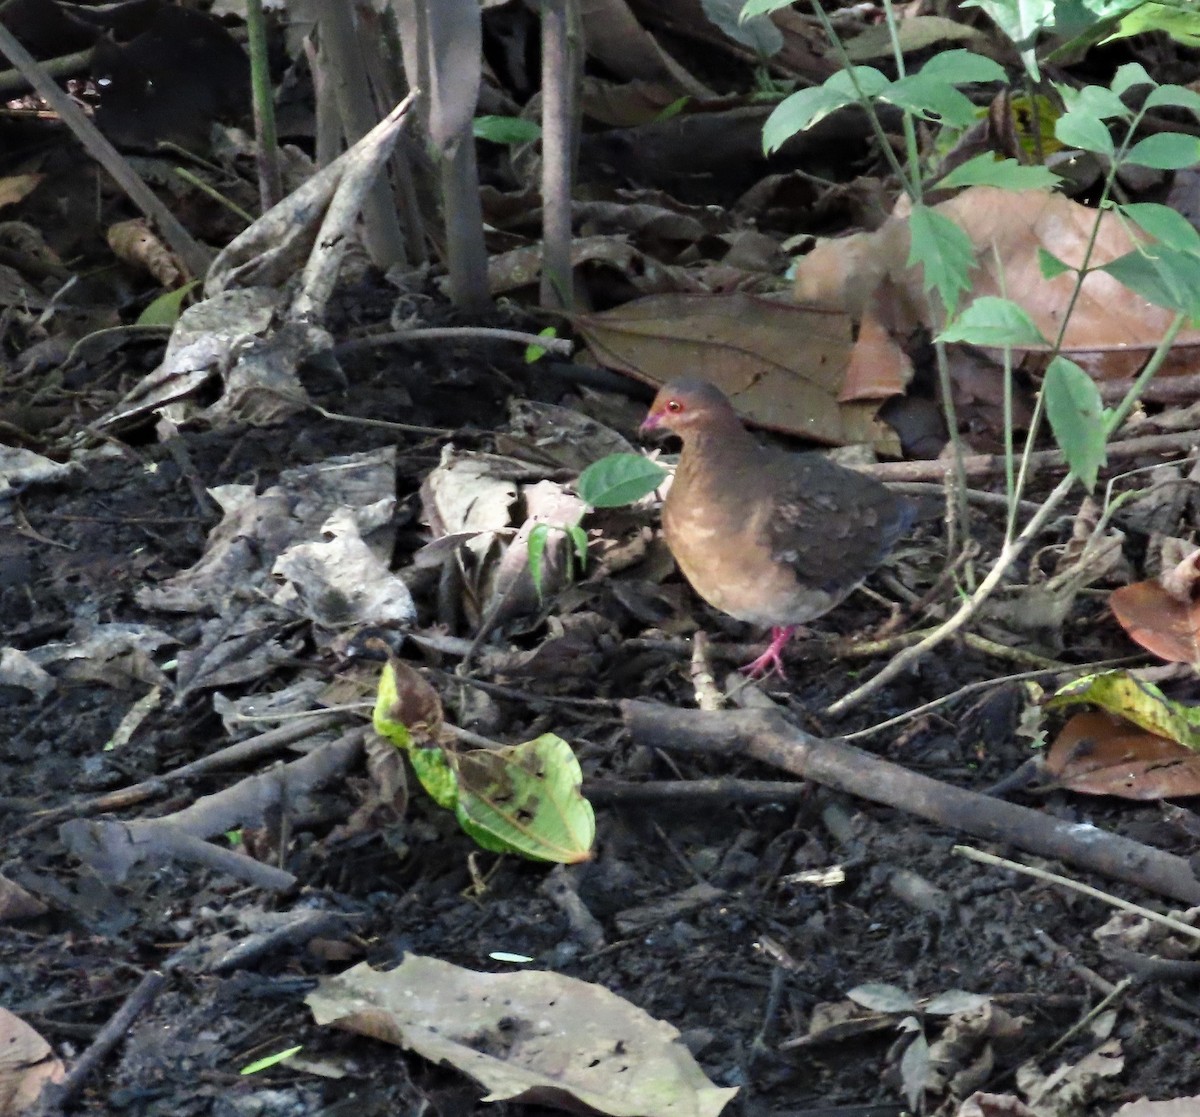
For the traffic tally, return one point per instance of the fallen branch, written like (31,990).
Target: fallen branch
(113,848)
(984,465)
(767,736)
(56,1095)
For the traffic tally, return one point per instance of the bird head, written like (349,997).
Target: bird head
(686,405)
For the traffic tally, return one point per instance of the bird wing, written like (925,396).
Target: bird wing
(831,525)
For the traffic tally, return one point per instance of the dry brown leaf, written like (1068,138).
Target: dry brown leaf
(782,365)
(1097,753)
(533,1036)
(27,1064)
(1163,616)
(134,243)
(1111,329)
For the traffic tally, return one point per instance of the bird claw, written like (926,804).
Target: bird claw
(770,663)
(765,665)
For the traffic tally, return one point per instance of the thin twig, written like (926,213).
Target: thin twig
(56,1095)
(1078,886)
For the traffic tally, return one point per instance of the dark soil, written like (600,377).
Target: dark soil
(740,974)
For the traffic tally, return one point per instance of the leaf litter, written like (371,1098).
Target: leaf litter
(273,593)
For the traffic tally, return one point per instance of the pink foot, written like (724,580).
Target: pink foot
(769,663)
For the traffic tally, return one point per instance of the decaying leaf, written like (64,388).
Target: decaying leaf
(27,1064)
(535,1037)
(522,799)
(782,365)
(1164,615)
(1097,753)
(1111,330)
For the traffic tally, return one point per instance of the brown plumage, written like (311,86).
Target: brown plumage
(764,535)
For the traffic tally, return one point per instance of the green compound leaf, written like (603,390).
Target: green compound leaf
(806,107)
(1128,76)
(1162,276)
(962,66)
(995,322)
(1166,151)
(1008,174)
(801,110)
(619,479)
(1076,415)
(526,799)
(1176,96)
(1086,132)
(1164,224)
(1050,265)
(932,99)
(944,252)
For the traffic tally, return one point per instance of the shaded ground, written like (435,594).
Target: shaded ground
(740,971)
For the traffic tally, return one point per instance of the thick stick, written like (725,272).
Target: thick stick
(766,736)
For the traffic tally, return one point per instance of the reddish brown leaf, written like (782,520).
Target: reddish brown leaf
(1161,623)
(1099,754)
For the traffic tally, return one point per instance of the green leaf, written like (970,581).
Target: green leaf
(1101,103)
(673,109)
(268,1061)
(932,99)
(961,66)
(437,776)
(1129,76)
(1162,276)
(1076,415)
(754,8)
(508,130)
(1166,151)
(756,32)
(579,538)
(167,307)
(994,322)
(1008,174)
(1174,96)
(404,703)
(536,352)
(1180,22)
(619,479)
(526,799)
(1050,264)
(800,111)
(1021,21)
(870,81)
(1136,701)
(1084,131)
(943,251)
(537,547)
(1164,224)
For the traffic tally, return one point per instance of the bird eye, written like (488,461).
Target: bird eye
(674,406)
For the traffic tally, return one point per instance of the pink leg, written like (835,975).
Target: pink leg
(769,662)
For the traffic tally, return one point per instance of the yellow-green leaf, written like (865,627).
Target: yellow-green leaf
(526,799)
(1138,702)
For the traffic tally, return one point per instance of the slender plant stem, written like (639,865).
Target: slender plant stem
(1012,548)
(270,179)
(865,101)
(916,189)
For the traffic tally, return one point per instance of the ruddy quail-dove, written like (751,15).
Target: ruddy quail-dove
(765,535)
